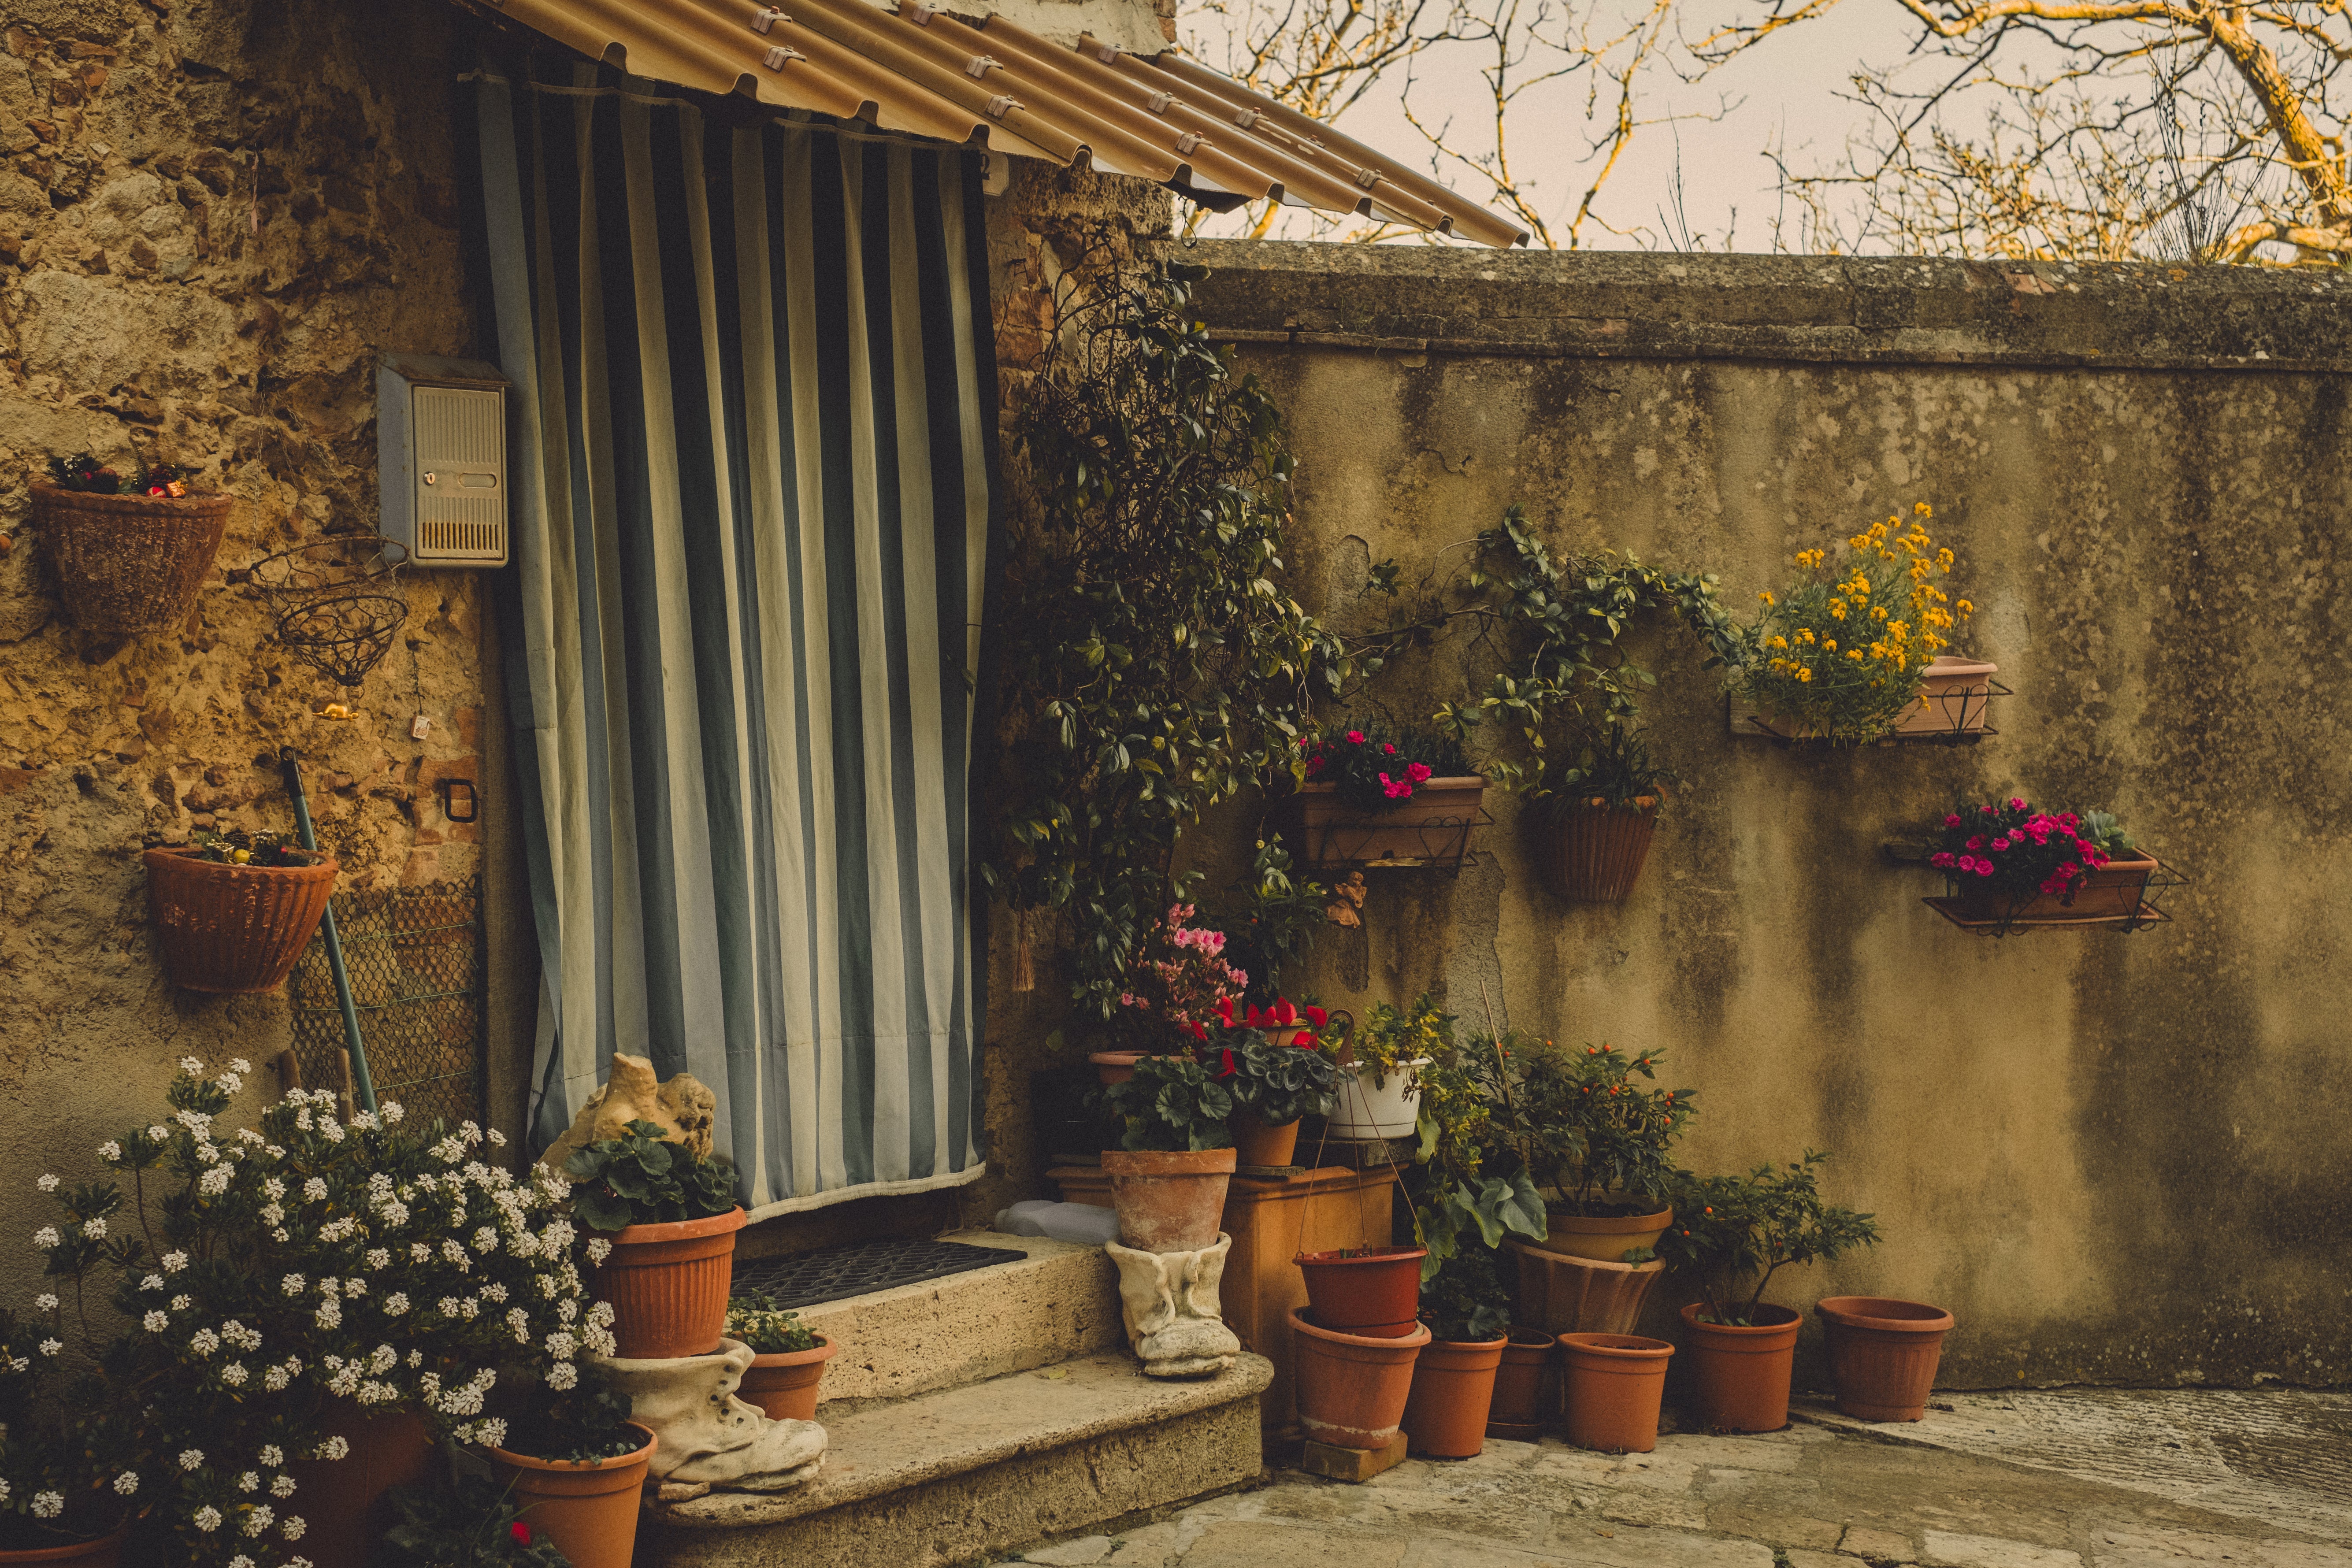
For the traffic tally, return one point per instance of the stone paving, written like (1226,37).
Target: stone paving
(1811,1496)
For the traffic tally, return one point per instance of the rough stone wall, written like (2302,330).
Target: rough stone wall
(2116,1158)
(213,216)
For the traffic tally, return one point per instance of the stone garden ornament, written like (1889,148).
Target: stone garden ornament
(1169,1301)
(710,1439)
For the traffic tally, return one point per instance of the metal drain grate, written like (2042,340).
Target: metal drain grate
(863,1267)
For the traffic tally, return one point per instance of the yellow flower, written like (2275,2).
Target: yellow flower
(1966,608)
(1877,612)
(1854,654)
(1837,608)
(1923,509)
(1804,675)
(1766,597)
(1829,644)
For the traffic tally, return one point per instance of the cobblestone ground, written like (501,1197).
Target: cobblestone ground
(1814,1496)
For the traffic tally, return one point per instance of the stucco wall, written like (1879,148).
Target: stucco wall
(2116,1158)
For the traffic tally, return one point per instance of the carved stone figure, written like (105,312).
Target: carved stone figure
(683,1108)
(1174,1319)
(709,1438)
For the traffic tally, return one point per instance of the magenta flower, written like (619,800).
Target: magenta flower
(1416,772)
(1953,820)
(1355,737)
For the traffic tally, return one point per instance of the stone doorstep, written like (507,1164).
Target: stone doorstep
(1060,1301)
(953,1476)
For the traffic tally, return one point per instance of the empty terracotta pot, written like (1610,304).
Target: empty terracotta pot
(1593,854)
(784,1385)
(1168,1201)
(1740,1375)
(667,1284)
(1256,1143)
(1351,1388)
(1612,1384)
(1373,1290)
(1566,1295)
(1526,1387)
(1883,1353)
(589,1510)
(1452,1389)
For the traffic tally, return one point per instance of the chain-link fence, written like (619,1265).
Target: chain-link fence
(415,955)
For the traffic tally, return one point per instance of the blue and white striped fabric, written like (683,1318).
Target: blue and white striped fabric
(754,424)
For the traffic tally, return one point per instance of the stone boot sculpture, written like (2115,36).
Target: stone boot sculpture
(709,1438)
(1174,1319)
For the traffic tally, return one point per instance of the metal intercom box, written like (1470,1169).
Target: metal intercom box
(441,440)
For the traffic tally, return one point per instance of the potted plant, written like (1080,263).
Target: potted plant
(1731,1236)
(129,552)
(788,1357)
(234,909)
(1168,1177)
(1588,1125)
(576,1465)
(1469,1315)
(1849,655)
(2006,863)
(1352,1387)
(1380,1061)
(1596,811)
(1611,1386)
(670,1218)
(1883,1353)
(462,1521)
(1180,983)
(1274,1082)
(1374,795)
(67,1453)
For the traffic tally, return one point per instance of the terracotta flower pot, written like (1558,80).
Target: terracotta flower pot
(233,929)
(1373,1291)
(2104,892)
(1740,1375)
(667,1284)
(342,1507)
(1435,825)
(1115,1067)
(1883,1353)
(1954,693)
(1612,1385)
(103,1551)
(1168,1201)
(128,564)
(1526,1387)
(784,1385)
(1578,1295)
(1604,1240)
(1593,854)
(1351,1388)
(1452,1391)
(1256,1143)
(588,1510)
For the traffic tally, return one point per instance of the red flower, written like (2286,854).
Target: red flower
(1226,1069)
(520,1533)
(1389,750)
(1282,1015)
(1200,1031)
(1416,772)
(1225,1010)
(1355,737)
(1317,1017)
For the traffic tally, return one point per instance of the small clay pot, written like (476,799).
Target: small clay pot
(1168,1200)
(1526,1387)
(589,1510)
(1740,1375)
(1374,1290)
(1351,1388)
(784,1385)
(1115,1067)
(668,1285)
(1612,1384)
(1256,1143)
(1604,1240)
(102,1552)
(1883,1353)
(1452,1390)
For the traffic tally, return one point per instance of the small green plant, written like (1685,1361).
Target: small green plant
(1732,1233)
(1173,1104)
(2101,829)
(87,475)
(753,1317)
(639,1179)
(237,846)
(1390,1038)
(1606,762)
(1457,1204)
(466,1522)
(1278,1083)
(1587,1122)
(1464,1301)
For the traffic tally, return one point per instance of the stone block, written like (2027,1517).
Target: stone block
(1878,1545)
(1778,1529)
(1945,1549)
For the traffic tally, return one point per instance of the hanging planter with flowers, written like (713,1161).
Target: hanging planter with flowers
(234,911)
(1377,796)
(128,554)
(2009,866)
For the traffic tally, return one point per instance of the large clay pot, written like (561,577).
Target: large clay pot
(1168,1201)
(104,1551)
(1578,1296)
(128,564)
(1256,1143)
(1435,825)
(1452,1390)
(233,929)
(1739,1375)
(1883,1353)
(1352,1388)
(1389,1107)
(342,1507)
(1604,1240)
(1612,1385)
(588,1510)
(1526,1387)
(784,1385)
(1593,854)
(2112,891)
(668,1284)
(1954,696)
(1374,1291)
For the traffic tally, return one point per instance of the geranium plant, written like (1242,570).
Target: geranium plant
(1732,1233)
(1843,653)
(1374,766)
(640,1179)
(2012,849)
(1173,1104)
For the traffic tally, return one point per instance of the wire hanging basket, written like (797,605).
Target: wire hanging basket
(337,602)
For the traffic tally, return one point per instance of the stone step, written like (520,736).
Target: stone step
(1059,1301)
(959,1474)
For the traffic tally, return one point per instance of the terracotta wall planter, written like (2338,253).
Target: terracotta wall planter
(785,1385)
(1740,1376)
(1606,1240)
(1168,1201)
(105,1552)
(1612,1385)
(589,1512)
(1958,692)
(1376,1293)
(1352,1388)
(1580,1296)
(127,565)
(1435,825)
(668,1284)
(1593,854)
(1452,1390)
(1256,1143)
(1526,1387)
(1883,1353)
(233,930)
(2106,892)
(342,1506)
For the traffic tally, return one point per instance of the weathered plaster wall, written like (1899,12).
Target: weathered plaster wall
(2116,1158)
(213,216)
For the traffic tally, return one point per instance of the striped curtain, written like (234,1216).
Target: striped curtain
(752,421)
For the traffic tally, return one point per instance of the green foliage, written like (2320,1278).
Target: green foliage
(1585,1122)
(2101,829)
(465,1521)
(1607,764)
(1457,1204)
(585,1423)
(753,1317)
(1734,1233)
(1152,663)
(1388,1038)
(86,474)
(1171,1103)
(1466,1302)
(639,1179)
(1270,921)
(1278,1083)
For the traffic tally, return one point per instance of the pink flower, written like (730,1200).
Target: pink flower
(1944,860)
(1984,867)
(1395,789)
(1355,737)
(1953,820)
(2015,804)
(1977,842)
(1388,749)
(1416,772)
(1313,766)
